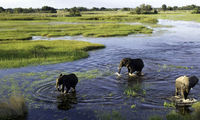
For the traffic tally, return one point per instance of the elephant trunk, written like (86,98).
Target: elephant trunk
(57,85)
(119,69)
(120,66)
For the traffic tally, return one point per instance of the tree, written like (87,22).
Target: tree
(138,10)
(95,9)
(126,9)
(196,11)
(155,11)
(2,9)
(48,9)
(164,7)
(18,10)
(144,9)
(169,8)
(148,8)
(74,12)
(175,8)
(102,8)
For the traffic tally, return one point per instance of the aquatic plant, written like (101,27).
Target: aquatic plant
(166,104)
(130,92)
(133,106)
(172,67)
(196,106)
(155,117)
(13,108)
(114,115)
(173,115)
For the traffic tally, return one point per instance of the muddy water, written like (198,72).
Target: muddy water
(168,53)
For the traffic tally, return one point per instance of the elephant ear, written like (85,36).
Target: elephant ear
(60,74)
(193,80)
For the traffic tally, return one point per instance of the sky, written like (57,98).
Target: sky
(93,3)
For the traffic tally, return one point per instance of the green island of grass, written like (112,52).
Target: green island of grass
(24,53)
(23,31)
(104,24)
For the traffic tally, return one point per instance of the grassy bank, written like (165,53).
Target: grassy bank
(25,30)
(179,15)
(24,53)
(99,24)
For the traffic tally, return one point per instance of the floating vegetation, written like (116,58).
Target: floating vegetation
(92,74)
(172,67)
(133,106)
(135,90)
(114,115)
(155,117)
(130,92)
(166,104)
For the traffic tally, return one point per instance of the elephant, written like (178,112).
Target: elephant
(184,84)
(68,81)
(132,65)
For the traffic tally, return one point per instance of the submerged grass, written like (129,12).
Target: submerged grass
(114,115)
(23,53)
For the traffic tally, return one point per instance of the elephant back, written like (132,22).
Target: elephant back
(182,81)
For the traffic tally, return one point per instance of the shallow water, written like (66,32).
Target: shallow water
(168,53)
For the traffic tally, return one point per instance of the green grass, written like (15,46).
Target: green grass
(25,31)
(196,106)
(100,24)
(179,15)
(24,53)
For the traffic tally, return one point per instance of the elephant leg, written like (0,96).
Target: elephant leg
(68,88)
(182,93)
(176,92)
(62,88)
(139,72)
(73,89)
(129,70)
(119,69)
(185,95)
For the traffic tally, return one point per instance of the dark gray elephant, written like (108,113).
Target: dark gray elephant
(132,65)
(68,81)
(184,84)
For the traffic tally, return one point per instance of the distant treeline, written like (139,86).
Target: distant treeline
(164,7)
(48,9)
(141,9)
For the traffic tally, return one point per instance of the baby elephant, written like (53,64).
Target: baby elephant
(67,81)
(132,65)
(184,84)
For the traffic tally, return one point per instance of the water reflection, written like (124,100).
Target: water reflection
(66,101)
(184,110)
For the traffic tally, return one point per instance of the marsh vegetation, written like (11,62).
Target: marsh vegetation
(23,53)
